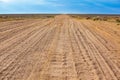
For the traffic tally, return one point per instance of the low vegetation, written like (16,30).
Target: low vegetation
(109,18)
(118,20)
(4,18)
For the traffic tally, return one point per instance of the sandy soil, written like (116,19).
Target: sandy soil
(60,48)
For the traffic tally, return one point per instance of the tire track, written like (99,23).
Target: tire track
(61,48)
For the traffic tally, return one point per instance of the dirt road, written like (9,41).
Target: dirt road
(60,48)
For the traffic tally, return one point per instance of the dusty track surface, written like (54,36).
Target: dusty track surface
(61,48)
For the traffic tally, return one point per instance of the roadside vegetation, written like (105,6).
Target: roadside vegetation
(8,18)
(115,19)
(118,21)
(4,18)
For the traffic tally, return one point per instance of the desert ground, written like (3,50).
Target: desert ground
(59,48)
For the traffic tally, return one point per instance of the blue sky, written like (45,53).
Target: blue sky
(60,6)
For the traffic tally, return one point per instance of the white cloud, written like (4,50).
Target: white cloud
(36,2)
(6,1)
(114,1)
(23,1)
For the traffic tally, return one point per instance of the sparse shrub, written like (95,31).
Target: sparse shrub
(105,19)
(88,18)
(4,17)
(49,16)
(118,20)
(95,18)
(78,17)
(0,16)
(99,18)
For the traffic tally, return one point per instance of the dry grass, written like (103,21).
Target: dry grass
(4,18)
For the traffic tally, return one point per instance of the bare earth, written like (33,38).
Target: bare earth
(60,48)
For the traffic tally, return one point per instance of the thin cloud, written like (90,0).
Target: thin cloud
(6,1)
(63,6)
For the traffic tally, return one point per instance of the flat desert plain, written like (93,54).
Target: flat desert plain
(59,48)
